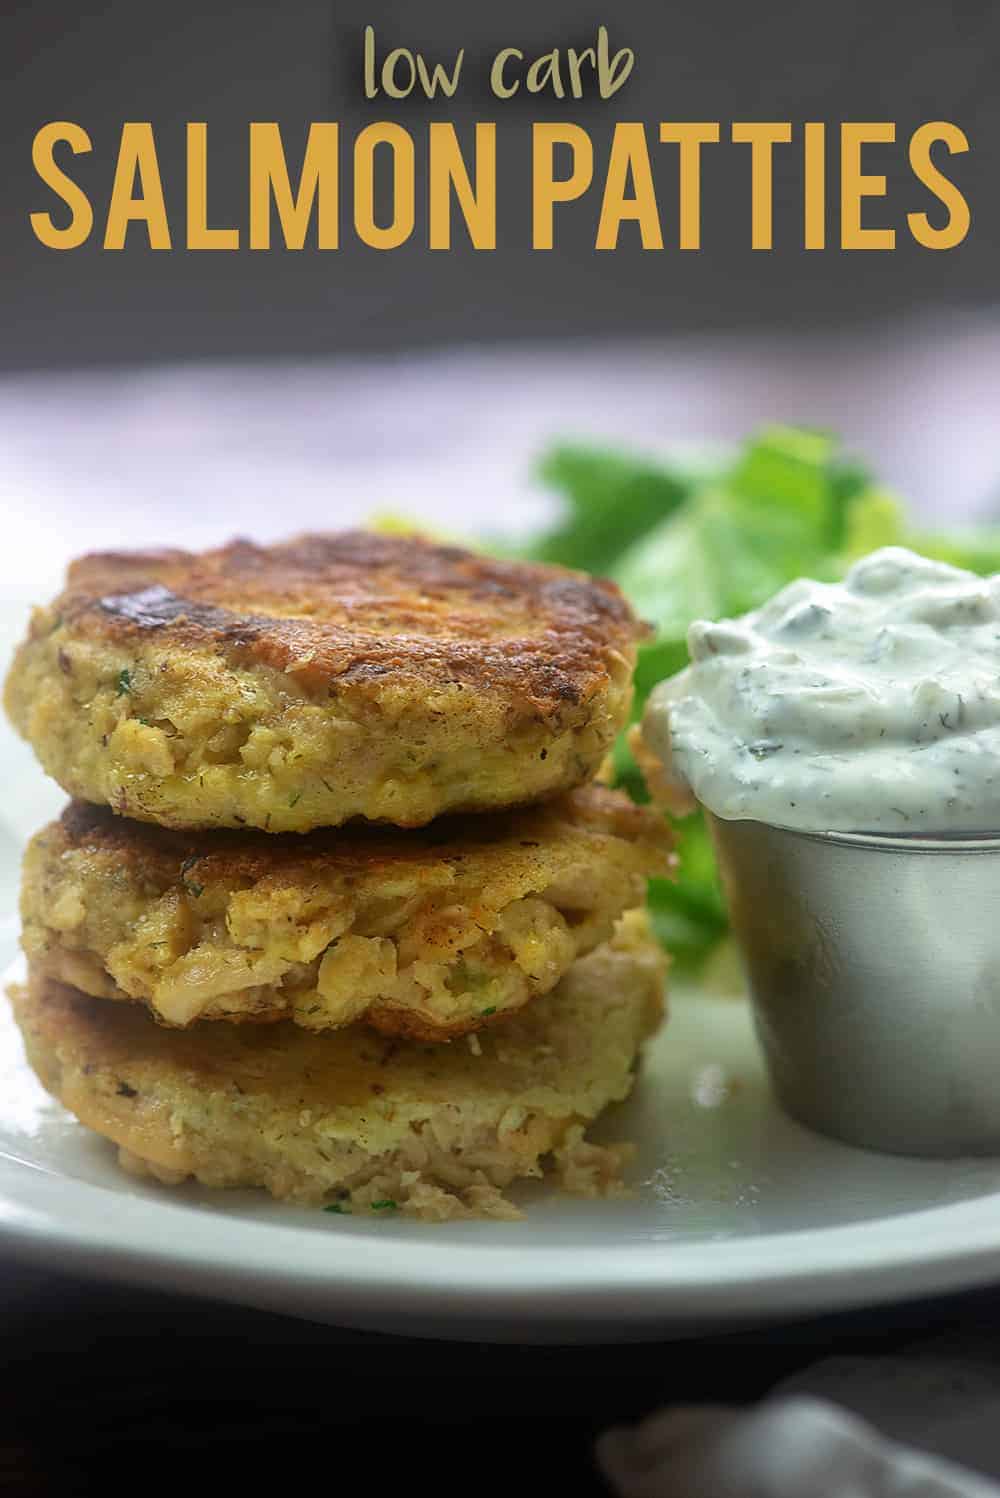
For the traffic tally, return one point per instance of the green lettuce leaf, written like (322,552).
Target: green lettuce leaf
(611,499)
(977,550)
(715,540)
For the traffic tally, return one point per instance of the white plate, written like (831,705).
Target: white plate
(739,1216)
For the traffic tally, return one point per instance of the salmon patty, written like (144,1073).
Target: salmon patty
(330,677)
(430,933)
(352,1118)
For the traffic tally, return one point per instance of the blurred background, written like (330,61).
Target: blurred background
(180,397)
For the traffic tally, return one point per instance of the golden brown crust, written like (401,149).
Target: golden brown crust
(431,933)
(162,855)
(323,679)
(354,607)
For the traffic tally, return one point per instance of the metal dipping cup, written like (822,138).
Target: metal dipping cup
(874,970)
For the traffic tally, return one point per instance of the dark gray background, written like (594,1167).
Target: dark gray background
(100,64)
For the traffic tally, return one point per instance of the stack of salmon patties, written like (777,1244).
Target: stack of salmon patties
(338,908)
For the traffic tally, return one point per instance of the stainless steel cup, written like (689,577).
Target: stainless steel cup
(874,970)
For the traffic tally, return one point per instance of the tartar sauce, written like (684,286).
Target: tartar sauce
(871,705)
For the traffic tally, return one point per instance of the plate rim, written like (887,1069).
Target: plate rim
(365,1274)
(652,1286)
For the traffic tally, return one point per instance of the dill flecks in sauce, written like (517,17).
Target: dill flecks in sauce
(871,705)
